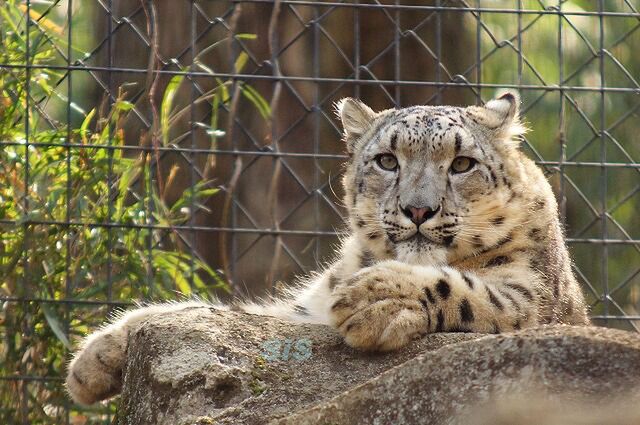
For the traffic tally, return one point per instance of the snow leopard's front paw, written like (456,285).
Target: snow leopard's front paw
(95,373)
(380,308)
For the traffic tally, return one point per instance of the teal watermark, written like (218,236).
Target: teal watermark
(287,349)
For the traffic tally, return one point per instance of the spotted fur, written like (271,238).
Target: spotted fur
(431,248)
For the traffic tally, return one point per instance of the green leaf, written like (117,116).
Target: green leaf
(85,125)
(204,68)
(54,324)
(241,61)
(171,265)
(123,105)
(182,283)
(123,188)
(224,91)
(246,36)
(207,192)
(167,104)
(256,98)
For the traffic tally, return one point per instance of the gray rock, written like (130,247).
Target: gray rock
(202,366)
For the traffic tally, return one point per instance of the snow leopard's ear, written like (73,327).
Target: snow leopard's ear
(356,119)
(501,115)
(505,107)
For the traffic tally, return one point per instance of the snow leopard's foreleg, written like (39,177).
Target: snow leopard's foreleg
(384,306)
(95,373)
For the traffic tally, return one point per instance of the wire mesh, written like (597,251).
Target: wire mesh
(156,148)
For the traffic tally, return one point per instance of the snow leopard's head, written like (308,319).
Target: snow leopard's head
(422,181)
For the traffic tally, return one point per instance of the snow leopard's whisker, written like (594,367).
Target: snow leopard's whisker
(477,228)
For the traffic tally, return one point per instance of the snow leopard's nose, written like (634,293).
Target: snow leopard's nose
(419,214)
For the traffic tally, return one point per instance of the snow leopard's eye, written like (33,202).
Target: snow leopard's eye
(462,164)
(386,161)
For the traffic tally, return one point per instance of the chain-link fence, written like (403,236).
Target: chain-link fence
(150,149)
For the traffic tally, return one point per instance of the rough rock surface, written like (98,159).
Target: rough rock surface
(202,366)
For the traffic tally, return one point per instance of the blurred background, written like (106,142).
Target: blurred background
(157,149)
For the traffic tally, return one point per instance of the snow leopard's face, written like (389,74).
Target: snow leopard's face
(425,180)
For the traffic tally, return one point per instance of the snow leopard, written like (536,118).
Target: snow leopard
(451,228)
